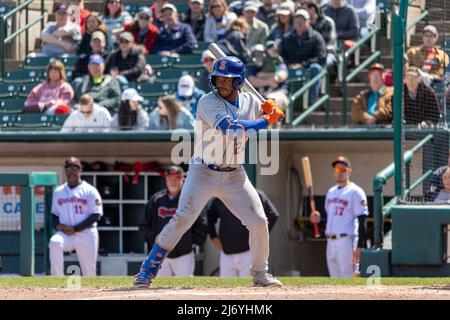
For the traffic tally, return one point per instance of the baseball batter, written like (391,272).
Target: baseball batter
(346,208)
(222,118)
(76,208)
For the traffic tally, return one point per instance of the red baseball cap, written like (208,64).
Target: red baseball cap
(72,162)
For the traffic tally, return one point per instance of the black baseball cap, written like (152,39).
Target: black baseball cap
(174,170)
(342,160)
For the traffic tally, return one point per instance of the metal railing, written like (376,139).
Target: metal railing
(344,77)
(323,100)
(8,39)
(380,210)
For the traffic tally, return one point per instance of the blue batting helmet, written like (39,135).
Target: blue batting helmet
(229,67)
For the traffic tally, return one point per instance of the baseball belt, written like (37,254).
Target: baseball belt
(336,236)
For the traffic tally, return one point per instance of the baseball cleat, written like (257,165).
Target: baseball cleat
(264,279)
(142,280)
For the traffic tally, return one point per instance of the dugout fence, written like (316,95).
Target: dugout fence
(25,221)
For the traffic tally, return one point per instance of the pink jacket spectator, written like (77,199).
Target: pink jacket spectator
(49,95)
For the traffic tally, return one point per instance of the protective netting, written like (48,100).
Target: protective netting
(426,111)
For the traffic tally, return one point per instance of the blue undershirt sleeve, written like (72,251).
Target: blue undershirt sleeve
(256,125)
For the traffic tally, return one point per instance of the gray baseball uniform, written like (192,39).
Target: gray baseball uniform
(232,187)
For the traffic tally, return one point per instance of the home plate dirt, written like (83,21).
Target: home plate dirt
(235,293)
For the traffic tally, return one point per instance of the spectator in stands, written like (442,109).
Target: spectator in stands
(174,37)
(196,18)
(115,17)
(345,19)
(258,30)
(94,24)
(131,115)
(304,47)
(160,209)
(208,60)
(170,115)
(234,43)
(98,46)
(103,88)
(443,196)
(218,21)
(89,117)
(156,8)
(188,94)
(237,7)
(267,12)
(374,106)
(325,26)
(428,58)
(365,9)
(269,70)
(60,37)
(232,240)
(421,106)
(127,63)
(53,92)
(283,23)
(436,183)
(143,30)
(78,14)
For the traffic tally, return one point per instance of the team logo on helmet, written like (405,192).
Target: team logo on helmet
(223,65)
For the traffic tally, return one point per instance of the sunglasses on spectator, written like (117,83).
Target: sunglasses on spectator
(123,41)
(144,17)
(114,1)
(340,170)
(72,168)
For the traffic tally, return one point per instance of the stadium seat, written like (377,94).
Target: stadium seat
(12,105)
(132,9)
(157,62)
(189,61)
(7,120)
(149,104)
(4,9)
(155,89)
(8,90)
(295,79)
(23,76)
(25,89)
(32,120)
(200,47)
(446,46)
(174,74)
(182,7)
(37,63)
(69,62)
(58,120)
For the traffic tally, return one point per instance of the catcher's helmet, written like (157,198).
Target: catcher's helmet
(229,67)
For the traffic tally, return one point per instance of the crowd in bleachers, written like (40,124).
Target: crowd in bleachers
(160,50)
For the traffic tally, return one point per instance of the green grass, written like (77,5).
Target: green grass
(121,282)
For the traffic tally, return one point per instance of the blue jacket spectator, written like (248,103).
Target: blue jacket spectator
(304,47)
(345,19)
(187,94)
(174,36)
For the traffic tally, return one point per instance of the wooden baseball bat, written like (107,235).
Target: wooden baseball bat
(218,53)
(309,185)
